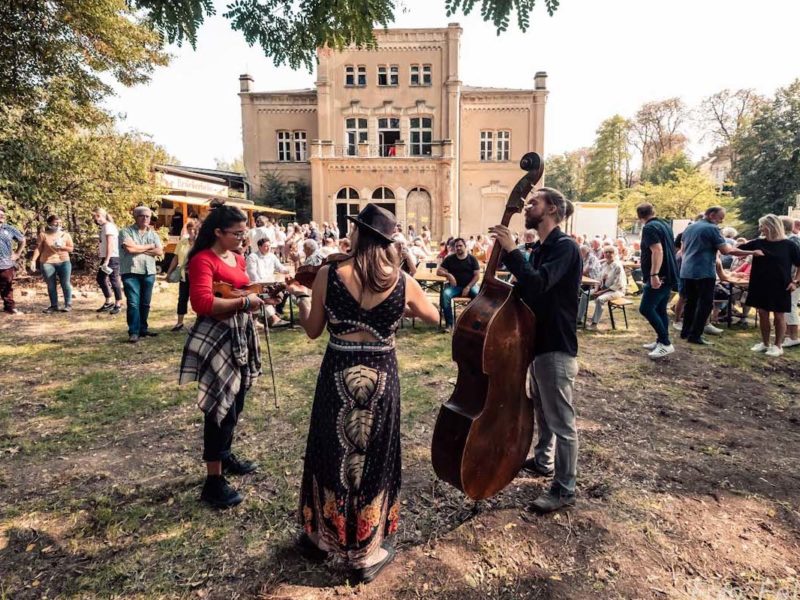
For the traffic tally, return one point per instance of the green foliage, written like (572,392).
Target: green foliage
(71,45)
(768,164)
(235,166)
(609,159)
(498,11)
(294,196)
(176,19)
(682,197)
(666,167)
(567,173)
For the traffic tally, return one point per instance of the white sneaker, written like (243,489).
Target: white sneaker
(759,347)
(790,343)
(678,325)
(661,351)
(711,330)
(650,346)
(774,351)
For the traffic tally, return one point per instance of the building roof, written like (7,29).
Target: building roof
(469,89)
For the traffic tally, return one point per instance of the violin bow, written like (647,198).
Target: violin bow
(269,352)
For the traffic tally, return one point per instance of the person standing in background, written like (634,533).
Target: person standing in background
(108,273)
(53,248)
(8,262)
(179,262)
(139,246)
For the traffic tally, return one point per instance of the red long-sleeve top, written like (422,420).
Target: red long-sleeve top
(204,269)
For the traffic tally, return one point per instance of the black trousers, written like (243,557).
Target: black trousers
(183,296)
(217,439)
(699,302)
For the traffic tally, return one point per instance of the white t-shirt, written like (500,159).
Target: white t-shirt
(108,229)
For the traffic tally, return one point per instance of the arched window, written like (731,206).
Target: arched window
(347,193)
(383,193)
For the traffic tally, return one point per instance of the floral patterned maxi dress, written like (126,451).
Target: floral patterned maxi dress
(351,475)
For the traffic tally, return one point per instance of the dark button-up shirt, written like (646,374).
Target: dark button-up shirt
(548,282)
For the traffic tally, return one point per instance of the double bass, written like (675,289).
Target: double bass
(484,431)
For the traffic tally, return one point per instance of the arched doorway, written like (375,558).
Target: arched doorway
(384,197)
(347,204)
(418,209)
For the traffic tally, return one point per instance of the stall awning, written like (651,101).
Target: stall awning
(200,201)
(273,211)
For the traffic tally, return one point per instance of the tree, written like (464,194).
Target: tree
(656,130)
(290,32)
(567,173)
(73,45)
(768,167)
(294,196)
(683,197)
(667,166)
(235,166)
(608,170)
(726,113)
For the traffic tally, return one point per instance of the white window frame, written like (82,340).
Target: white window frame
(394,75)
(359,133)
(486,146)
(300,145)
(418,146)
(503,144)
(427,75)
(349,76)
(284,145)
(414,75)
(383,75)
(361,76)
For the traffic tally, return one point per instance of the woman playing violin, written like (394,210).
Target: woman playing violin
(349,503)
(221,351)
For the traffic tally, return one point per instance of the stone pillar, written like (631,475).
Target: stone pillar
(537,121)
(249,135)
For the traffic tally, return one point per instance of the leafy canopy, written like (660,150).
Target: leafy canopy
(290,31)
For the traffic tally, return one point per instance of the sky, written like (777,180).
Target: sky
(602,57)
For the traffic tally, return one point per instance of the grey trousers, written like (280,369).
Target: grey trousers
(551,381)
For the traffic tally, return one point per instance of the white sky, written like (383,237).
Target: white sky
(602,57)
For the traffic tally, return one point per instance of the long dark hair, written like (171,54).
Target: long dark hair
(221,217)
(371,255)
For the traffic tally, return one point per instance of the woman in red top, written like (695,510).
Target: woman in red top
(221,351)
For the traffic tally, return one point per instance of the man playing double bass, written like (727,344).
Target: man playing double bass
(548,282)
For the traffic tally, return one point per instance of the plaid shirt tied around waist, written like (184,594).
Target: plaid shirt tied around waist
(222,356)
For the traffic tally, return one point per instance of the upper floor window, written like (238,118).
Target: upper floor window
(356,130)
(284,145)
(388,136)
(487,144)
(349,75)
(355,76)
(420,75)
(421,136)
(496,145)
(292,146)
(300,146)
(362,75)
(388,75)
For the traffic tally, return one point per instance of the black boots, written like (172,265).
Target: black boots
(218,493)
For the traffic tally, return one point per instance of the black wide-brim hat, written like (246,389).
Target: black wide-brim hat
(378,220)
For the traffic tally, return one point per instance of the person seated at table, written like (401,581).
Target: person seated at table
(445,249)
(311,254)
(481,249)
(612,284)
(461,271)
(328,247)
(597,247)
(408,262)
(418,251)
(261,267)
(591,264)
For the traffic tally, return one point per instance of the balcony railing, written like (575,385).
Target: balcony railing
(327,149)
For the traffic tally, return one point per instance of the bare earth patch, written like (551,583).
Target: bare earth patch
(689,482)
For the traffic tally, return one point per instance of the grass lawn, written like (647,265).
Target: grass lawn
(689,475)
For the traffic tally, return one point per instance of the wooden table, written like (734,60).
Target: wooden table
(429,281)
(743,284)
(588,281)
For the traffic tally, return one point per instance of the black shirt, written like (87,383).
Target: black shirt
(548,282)
(657,231)
(463,269)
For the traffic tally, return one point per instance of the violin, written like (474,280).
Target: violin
(484,431)
(270,292)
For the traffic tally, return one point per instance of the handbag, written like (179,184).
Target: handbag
(174,276)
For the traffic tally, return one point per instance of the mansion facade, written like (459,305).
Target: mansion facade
(394,125)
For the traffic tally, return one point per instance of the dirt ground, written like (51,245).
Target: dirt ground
(689,475)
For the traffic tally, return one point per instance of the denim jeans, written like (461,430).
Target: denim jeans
(448,293)
(62,272)
(138,292)
(654,308)
(109,282)
(551,381)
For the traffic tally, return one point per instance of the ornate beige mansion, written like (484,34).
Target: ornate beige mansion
(395,125)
